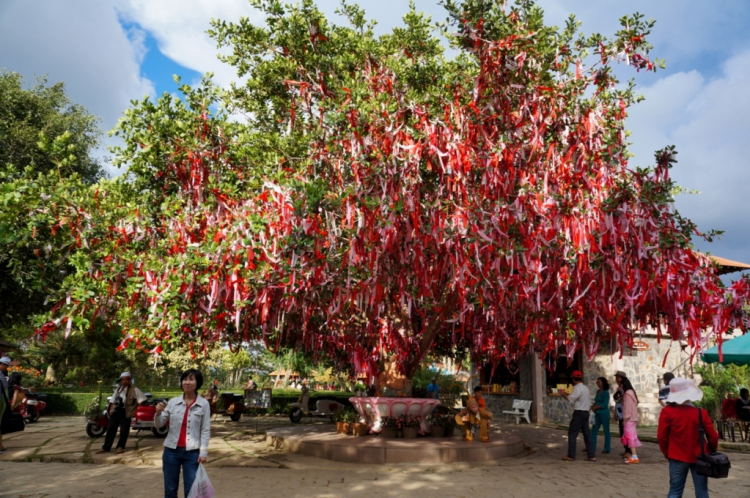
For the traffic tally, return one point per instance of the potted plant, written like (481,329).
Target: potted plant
(409,425)
(389,427)
(437,424)
(342,418)
(358,427)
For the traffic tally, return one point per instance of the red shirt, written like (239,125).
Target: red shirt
(481,402)
(182,440)
(678,433)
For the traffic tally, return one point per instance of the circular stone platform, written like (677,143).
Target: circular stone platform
(321,441)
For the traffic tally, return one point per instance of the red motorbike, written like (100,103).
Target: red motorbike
(142,420)
(32,406)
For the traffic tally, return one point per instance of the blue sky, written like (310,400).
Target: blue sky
(109,52)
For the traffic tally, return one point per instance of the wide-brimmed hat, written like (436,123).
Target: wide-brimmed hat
(681,390)
(621,374)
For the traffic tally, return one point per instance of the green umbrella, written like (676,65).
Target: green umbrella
(735,351)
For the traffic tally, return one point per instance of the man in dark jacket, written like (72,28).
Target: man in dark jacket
(678,436)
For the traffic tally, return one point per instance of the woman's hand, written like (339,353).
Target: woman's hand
(160,407)
(202,459)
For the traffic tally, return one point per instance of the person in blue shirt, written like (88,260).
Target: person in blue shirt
(600,407)
(433,389)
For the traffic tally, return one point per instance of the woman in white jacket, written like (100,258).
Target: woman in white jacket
(186,445)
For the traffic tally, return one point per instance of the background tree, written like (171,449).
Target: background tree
(46,144)
(385,202)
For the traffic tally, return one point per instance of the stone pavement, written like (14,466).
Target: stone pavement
(241,465)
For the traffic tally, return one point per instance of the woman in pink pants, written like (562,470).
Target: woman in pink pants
(630,419)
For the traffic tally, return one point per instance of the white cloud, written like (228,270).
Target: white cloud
(80,43)
(179,27)
(709,123)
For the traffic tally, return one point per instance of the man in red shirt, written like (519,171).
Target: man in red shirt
(679,439)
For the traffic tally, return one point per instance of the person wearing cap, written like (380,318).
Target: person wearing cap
(664,391)
(581,400)
(678,428)
(4,394)
(121,409)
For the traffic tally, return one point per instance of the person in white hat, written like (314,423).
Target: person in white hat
(4,394)
(121,409)
(678,436)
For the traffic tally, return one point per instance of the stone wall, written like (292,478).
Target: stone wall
(644,369)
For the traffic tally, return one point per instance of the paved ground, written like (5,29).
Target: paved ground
(241,465)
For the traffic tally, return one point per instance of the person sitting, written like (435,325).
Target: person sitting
(212,396)
(480,399)
(743,406)
(473,416)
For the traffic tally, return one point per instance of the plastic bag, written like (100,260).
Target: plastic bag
(592,419)
(202,487)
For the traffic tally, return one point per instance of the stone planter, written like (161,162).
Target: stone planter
(389,432)
(410,432)
(437,431)
(450,430)
(360,429)
(342,428)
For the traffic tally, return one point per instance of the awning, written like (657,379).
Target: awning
(734,351)
(729,266)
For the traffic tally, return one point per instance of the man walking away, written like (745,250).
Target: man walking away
(679,436)
(581,399)
(125,400)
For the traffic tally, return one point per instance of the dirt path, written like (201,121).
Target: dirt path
(241,465)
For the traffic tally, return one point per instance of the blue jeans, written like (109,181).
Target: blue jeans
(678,472)
(601,420)
(172,461)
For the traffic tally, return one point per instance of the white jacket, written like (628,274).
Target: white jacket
(198,424)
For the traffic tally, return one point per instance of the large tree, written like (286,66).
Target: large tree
(382,201)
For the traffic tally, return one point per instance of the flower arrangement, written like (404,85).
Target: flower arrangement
(442,419)
(389,422)
(409,421)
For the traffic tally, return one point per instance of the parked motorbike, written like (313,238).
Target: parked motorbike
(142,420)
(144,417)
(323,408)
(32,406)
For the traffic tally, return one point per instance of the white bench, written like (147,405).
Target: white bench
(521,408)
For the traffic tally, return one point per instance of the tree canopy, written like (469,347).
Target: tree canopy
(380,200)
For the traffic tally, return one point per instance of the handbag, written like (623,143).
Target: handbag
(11,422)
(714,464)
